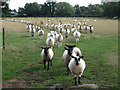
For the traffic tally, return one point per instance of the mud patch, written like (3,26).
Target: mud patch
(16,84)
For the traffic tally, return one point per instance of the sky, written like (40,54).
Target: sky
(15,4)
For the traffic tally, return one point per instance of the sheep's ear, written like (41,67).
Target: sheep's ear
(42,47)
(66,45)
(72,56)
(74,45)
(81,56)
(49,47)
(65,48)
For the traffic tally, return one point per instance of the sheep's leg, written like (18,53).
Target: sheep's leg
(44,64)
(48,65)
(75,77)
(51,62)
(79,78)
(67,69)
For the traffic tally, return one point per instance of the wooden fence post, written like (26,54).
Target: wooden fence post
(3,38)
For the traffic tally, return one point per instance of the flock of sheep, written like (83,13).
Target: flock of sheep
(72,55)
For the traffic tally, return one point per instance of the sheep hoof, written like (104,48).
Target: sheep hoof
(79,82)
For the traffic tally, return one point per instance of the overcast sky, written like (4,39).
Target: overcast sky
(14,4)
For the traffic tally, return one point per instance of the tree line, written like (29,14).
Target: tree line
(64,9)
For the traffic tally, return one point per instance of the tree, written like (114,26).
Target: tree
(64,9)
(77,10)
(5,8)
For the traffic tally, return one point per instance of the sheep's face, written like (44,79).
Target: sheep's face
(70,50)
(46,50)
(77,59)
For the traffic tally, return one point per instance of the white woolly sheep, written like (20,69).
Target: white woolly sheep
(86,28)
(73,29)
(91,28)
(37,27)
(80,28)
(28,27)
(32,30)
(66,32)
(71,50)
(73,25)
(59,39)
(47,25)
(77,66)
(41,33)
(61,30)
(76,35)
(79,23)
(47,55)
(50,41)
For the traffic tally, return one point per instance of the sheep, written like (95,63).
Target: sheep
(77,66)
(61,30)
(66,32)
(37,27)
(94,20)
(51,34)
(73,29)
(91,28)
(79,23)
(50,41)
(32,30)
(53,26)
(47,55)
(75,49)
(28,27)
(86,28)
(76,35)
(73,25)
(67,57)
(41,33)
(47,25)
(59,39)
(65,26)
(84,23)
(71,50)
(80,28)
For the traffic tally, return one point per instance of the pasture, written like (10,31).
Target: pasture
(22,65)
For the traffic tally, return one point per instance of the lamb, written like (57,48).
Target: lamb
(76,35)
(59,39)
(66,32)
(50,41)
(80,28)
(41,33)
(77,66)
(71,50)
(47,55)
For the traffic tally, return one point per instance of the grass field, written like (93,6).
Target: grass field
(22,66)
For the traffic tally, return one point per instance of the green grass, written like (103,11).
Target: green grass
(23,54)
